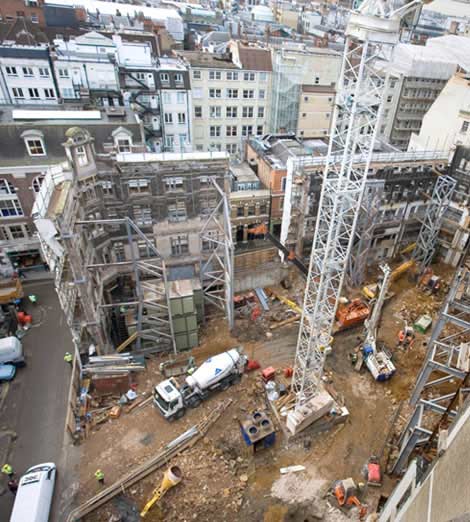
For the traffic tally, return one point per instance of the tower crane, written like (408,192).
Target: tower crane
(371,34)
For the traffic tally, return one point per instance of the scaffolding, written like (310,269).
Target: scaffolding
(216,271)
(149,312)
(447,363)
(367,220)
(429,232)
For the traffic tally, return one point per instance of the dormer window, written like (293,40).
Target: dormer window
(122,140)
(34,141)
(82,158)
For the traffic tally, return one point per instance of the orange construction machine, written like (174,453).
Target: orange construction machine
(351,314)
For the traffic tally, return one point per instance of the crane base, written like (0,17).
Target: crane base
(311,411)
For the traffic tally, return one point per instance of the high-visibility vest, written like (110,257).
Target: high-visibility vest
(99,475)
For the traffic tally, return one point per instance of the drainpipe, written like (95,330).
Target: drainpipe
(54,78)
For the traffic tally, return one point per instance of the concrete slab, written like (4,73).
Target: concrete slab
(311,411)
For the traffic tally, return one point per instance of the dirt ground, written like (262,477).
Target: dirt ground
(222,479)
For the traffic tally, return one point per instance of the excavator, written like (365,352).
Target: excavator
(371,291)
(345,492)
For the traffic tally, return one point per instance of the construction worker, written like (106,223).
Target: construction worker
(33,299)
(7,470)
(99,475)
(68,358)
(13,486)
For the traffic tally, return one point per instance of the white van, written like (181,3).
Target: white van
(34,496)
(11,351)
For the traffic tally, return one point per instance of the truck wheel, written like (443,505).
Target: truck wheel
(225,385)
(195,403)
(180,413)
(236,379)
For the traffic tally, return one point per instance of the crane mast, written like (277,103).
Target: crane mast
(371,34)
(373,321)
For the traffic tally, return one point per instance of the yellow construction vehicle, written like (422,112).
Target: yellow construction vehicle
(370,291)
(172,477)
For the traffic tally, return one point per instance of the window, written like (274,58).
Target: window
(214,131)
(232,93)
(183,140)
(240,211)
(215,93)
(68,92)
(215,112)
(248,93)
(169,142)
(231,112)
(49,94)
(18,92)
(263,208)
(11,71)
(261,94)
(6,188)
(389,99)
(180,97)
(198,94)
(231,130)
(166,97)
(168,117)
(249,76)
(211,240)
(178,78)
(106,187)
(181,118)
(465,126)
(34,18)
(82,157)
(259,130)
(196,75)
(63,73)
(164,77)
(142,215)
(138,186)
(37,182)
(179,245)
(15,232)
(28,71)
(247,112)
(118,249)
(177,211)
(247,130)
(198,111)
(260,112)
(144,248)
(215,75)
(263,76)
(232,75)
(173,184)
(317,80)
(10,207)
(35,147)
(231,148)
(124,145)
(33,93)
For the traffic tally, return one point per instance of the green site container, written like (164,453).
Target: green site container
(186,341)
(423,323)
(184,324)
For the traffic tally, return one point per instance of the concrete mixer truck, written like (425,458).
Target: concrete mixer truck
(217,373)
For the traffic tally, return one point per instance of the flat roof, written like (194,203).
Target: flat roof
(243,172)
(147,157)
(21,114)
(202,59)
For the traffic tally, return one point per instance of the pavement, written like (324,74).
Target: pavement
(33,406)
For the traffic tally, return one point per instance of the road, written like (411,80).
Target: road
(35,404)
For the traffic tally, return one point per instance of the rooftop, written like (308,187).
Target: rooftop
(254,58)
(243,172)
(452,8)
(148,157)
(202,59)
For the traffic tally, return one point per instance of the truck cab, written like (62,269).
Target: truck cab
(168,399)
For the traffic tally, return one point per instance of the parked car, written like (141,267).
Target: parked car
(7,372)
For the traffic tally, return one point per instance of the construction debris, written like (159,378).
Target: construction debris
(173,448)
